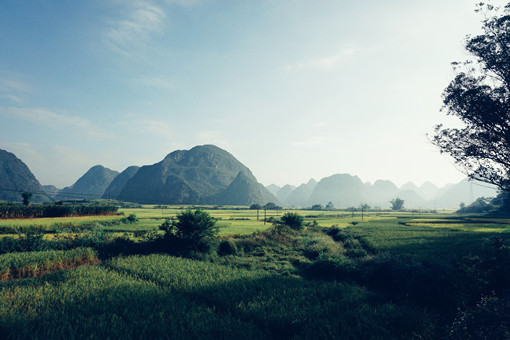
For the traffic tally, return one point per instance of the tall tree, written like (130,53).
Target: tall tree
(480,96)
(397,204)
(27,197)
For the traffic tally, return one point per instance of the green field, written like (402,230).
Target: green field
(384,276)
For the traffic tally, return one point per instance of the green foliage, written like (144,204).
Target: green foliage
(480,205)
(478,96)
(227,247)
(317,207)
(397,204)
(11,210)
(132,218)
(192,230)
(108,302)
(365,207)
(34,264)
(293,220)
(487,320)
(376,280)
(255,206)
(27,197)
(271,206)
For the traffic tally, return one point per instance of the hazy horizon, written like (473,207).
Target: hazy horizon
(293,89)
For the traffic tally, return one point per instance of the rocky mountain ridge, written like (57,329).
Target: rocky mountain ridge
(16,178)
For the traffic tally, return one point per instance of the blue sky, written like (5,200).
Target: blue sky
(293,89)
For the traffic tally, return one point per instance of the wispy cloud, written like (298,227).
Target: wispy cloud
(152,127)
(8,85)
(323,63)
(13,90)
(136,27)
(184,3)
(13,98)
(315,141)
(159,83)
(54,120)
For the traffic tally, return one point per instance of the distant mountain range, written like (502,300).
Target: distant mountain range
(209,175)
(345,190)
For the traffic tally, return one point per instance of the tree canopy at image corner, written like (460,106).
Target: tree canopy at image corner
(479,96)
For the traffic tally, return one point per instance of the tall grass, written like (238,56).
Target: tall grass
(34,264)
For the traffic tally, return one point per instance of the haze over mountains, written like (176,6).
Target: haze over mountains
(209,175)
(345,190)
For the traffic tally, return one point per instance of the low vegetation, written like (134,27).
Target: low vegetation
(15,210)
(34,264)
(390,276)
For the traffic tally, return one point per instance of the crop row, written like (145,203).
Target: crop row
(34,264)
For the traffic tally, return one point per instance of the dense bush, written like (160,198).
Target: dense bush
(489,319)
(190,231)
(480,205)
(132,218)
(227,247)
(293,221)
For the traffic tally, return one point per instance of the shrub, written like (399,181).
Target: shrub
(489,319)
(191,230)
(293,221)
(227,247)
(132,218)
(340,268)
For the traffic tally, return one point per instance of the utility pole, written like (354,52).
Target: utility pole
(470,192)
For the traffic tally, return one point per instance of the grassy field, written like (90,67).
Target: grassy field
(381,276)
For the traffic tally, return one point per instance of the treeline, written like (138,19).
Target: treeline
(13,210)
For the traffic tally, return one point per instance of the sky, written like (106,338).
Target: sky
(293,89)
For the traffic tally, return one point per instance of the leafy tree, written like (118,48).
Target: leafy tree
(364,206)
(480,96)
(271,206)
(330,206)
(397,204)
(194,230)
(255,206)
(480,205)
(132,218)
(317,207)
(27,197)
(293,221)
